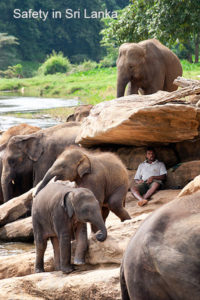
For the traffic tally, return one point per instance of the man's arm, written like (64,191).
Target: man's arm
(160,177)
(138,176)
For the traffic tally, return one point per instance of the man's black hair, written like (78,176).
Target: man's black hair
(150,149)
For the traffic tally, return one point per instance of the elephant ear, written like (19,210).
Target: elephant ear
(67,203)
(84,166)
(32,147)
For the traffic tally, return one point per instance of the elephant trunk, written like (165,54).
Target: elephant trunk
(121,86)
(7,188)
(48,176)
(101,235)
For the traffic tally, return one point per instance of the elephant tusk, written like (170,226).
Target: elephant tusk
(13,182)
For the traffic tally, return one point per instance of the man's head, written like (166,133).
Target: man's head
(150,155)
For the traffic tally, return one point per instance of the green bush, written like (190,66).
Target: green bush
(110,59)
(12,72)
(55,63)
(87,65)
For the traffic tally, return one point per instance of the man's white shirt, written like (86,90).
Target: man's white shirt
(146,170)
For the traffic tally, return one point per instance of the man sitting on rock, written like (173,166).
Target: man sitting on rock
(148,178)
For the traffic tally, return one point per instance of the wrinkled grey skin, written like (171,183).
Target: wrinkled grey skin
(103,173)
(162,260)
(147,65)
(27,158)
(57,212)
(21,129)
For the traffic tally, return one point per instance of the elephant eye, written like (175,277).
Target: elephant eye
(11,161)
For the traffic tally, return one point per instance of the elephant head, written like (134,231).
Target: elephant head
(73,163)
(82,203)
(130,65)
(17,172)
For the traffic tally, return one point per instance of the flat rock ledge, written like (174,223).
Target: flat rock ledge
(140,120)
(97,284)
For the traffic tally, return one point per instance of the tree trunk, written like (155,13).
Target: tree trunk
(197,49)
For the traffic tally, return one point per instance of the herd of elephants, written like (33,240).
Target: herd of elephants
(162,260)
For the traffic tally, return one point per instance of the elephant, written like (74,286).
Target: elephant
(57,212)
(27,158)
(103,173)
(21,129)
(80,112)
(162,260)
(148,66)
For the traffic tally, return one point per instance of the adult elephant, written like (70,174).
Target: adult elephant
(162,260)
(27,158)
(103,173)
(147,65)
(21,129)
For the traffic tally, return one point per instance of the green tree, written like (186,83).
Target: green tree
(7,52)
(76,38)
(170,21)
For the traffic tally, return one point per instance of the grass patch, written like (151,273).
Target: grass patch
(92,86)
(60,113)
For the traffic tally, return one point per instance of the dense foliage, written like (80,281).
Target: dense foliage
(7,52)
(78,39)
(55,63)
(171,21)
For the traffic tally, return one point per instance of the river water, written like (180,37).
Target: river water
(17,104)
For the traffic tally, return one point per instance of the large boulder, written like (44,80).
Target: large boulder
(133,156)
(93,284)
(182,174)
(188,150)
(139,120)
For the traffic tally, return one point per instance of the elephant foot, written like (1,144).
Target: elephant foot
(101,236)
(79,261)
(67,269)
(39,270)
(142,202)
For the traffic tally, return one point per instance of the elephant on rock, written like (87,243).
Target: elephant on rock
(58,212)
(103,173)
(27,158)
(148,66)
(162,260)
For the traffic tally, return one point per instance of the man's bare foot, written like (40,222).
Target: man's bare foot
(142,202)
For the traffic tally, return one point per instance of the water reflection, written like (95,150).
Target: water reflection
(13,104)
(15,248)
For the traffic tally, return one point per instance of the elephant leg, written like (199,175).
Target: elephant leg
(65,252)
(81,244)
(105,213)
(115,204)
(56,249)
(41,245)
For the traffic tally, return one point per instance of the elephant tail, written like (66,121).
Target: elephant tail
(124,291)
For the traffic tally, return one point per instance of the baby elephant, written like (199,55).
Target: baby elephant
(58,211)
